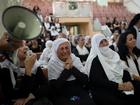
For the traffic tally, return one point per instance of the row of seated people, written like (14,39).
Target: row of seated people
(65,81)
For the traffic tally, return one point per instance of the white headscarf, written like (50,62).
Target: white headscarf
(47,53)
(109,59)
(56,66)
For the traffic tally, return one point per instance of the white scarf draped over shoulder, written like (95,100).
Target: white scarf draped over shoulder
(46,54)
(56,66)
(111,63)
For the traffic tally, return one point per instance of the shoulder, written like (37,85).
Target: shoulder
(96,61)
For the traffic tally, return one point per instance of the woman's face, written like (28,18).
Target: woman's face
(81,41)
(103,43)
(63,51)
(130,41)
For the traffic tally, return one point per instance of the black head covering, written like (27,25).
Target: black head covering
(135,20)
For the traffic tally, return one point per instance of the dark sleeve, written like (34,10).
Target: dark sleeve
(5,82)
(81,77)
(126,76)
(36,84)
(58,83)
(25,85)
(82,57)
(112,47)
(98,77)
(41,86)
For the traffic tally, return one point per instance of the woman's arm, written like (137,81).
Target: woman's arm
(81,77)
(98,77)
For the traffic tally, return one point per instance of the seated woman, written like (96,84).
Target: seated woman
(66,76)
(81,50)
(130,54)
(32,85)
(109,83)
(34,79)
(7,78)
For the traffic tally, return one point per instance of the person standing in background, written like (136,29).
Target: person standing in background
(134,26)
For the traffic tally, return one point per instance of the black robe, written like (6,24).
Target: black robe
(70,92)
(104,91)
(35,84)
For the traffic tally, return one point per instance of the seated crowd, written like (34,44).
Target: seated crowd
(71,70)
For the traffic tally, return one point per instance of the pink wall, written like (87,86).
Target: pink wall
(44,5)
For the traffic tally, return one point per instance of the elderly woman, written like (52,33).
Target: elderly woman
(25,83)
(33,79)
(66,76)
(109,82)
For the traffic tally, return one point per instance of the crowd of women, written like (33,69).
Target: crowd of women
(68,74)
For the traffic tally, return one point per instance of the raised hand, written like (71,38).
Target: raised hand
(68,64)
(29,62)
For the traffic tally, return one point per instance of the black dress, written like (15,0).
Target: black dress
(104,91)
(35,84)
(70,92)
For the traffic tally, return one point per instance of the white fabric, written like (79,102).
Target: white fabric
(57,25)
(56,66)
(132,67)
(47,26)
(111,62)
(7,64)
(82,51)
(54,33)
(46,54)
(115,47)
(50,18)
(138,37)
(21,71)
(40,17)
(35,66)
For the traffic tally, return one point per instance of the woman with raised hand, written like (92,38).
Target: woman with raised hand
(66,76)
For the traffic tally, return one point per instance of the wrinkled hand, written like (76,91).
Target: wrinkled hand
(31,96)
(127,86)
(136,77)
(68,64)
(23,101)
(29,63)
(20,101)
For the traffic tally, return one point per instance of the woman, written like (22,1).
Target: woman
(46,54)
(7,77)
(109,83)
(129,53)
(33,79)
(66,76)
(25,83)
(82,50)
(134,26)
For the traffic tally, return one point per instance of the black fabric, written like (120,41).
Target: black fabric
(70,92)
(1,95)
(82,57)
(41,101)
(6,85)
(35,84)
(104,91)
